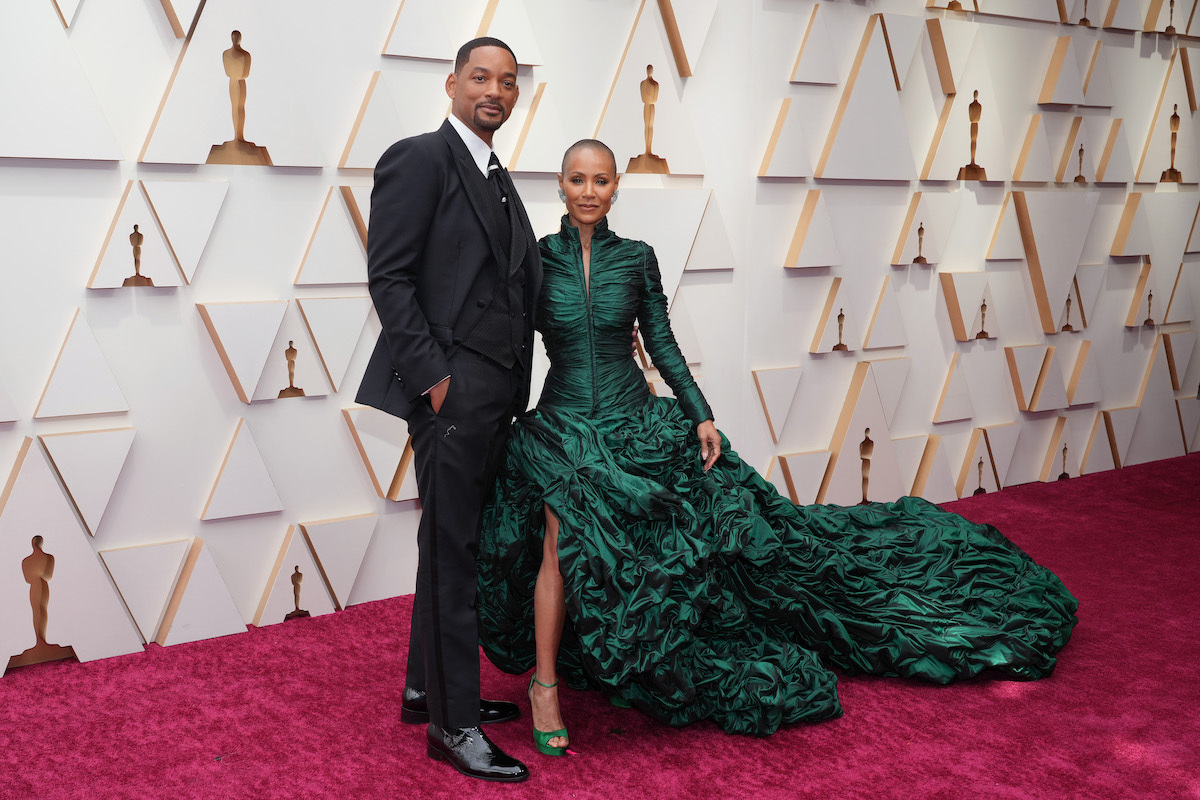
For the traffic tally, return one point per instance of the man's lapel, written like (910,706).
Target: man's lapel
(518,223)
(474,185)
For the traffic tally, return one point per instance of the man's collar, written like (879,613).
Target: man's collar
(480,150)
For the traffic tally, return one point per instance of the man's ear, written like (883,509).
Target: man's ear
(451,85)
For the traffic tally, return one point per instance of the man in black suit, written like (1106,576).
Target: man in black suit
(454,274)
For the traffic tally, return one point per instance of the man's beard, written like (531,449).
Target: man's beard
(487,123)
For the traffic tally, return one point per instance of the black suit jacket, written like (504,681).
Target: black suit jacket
(433,251)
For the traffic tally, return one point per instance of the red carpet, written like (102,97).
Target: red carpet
(309,709)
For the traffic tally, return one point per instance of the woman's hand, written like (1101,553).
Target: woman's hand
(710,443)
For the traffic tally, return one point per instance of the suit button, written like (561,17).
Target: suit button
(457,340)
(480,303)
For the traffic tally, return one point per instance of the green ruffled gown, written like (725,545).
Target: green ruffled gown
(701,595)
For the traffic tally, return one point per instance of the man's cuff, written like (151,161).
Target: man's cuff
(430,389)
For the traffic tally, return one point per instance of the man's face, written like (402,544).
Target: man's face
(485,90)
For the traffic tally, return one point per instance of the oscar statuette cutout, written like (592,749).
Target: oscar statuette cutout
(1172,175)
(237,150)
(137,278)
(292,390)
(1170,31)
(980,489)
(1084,21)
(297,579)
(983,334)
(972,171)
(38,569)
(1149,321)
(647,162)
(920,259)
(866,449)
(1079,178)
(1063,475)
(840,346)
(1066,328)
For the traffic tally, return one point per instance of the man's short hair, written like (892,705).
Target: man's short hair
(464,52)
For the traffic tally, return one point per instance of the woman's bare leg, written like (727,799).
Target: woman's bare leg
(549,614)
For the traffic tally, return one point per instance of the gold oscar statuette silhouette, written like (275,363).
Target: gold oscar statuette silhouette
(1063,475)
(983,334)
(954,5)
(297,579)
(866,449)
(1172,175)
(1079,178)
(840,347)
(1067,325)
(972,171)
(920,259)
(1087,23)
(648,162)
(980,489)
(292,390)
(237,150)
(38,569)
(137,278)
(1170,31)
(1149,321)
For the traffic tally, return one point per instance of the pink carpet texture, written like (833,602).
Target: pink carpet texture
(310,708)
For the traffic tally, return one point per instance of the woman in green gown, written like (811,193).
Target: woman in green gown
(627,548)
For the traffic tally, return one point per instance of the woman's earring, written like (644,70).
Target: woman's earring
(616,194)
(562,195)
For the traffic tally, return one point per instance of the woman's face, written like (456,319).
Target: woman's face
(588,182)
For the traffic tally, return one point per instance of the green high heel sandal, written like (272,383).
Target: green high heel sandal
(541,739)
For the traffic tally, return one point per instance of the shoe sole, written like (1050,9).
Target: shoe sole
(410,717)
(438,755)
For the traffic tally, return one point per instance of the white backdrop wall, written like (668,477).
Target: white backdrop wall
(768,226)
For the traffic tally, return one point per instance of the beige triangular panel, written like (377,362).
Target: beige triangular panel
(338,547)
(836,330)
(1133,231)
(1083,382)
(187,212)
(294,366)
(181,14)
(687,23)
(1072,165)
(1097,80)
(1063,84)
(711,249)
(145,576)
(50,110)
(814,243)
(1033,161)
(80,381)
(335,252)
(815,62)
(669,219)
(954,403)
(890,377)
(1054,228)
(83,609)
(1179,347)
(965,293)
(905,34)
(1157,434)
(1006,244)
(861,443)
(1157,156)
(243,485)
(886,327)
(383,443)
(379,123)
(787,151)
(933,479)
(869,135)
(803,473)
(1115,164)
(201,606)
(1123,15)
(243,334)
(335,323)
(89,463)
(134,246)
(776,388)
(358,203)
(294,585)
(978,470)
(950,148)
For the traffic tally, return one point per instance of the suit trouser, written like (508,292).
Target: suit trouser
(457,452)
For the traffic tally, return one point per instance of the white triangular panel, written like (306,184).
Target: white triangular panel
(905,34)
(1179,307)
(187,212)
(886,328)
(81,381)
(8,411)
(1060,222)
(116,261)
(814,244)
(890,377)
(834,331)
(84,611)
(335,252)
(1039,10)
(510,24)
(815,62)
(380,123)
(910,451)
(863,411)
(935,212)
(1033,160)
(1160,14)
(802,474)
(938,477)
(201,606)
(1089,279)
(1063,84)
(1122,421)
(953,149)
(382,442)
(958,36)
(776,389)
(358,201)
(1156,154)
(1002,443)
(693,19)
(1125,15)
(869,136)
(423,29)
(339,545)
(1052,392)
(145,576)
(1006,242)
(668,219)
(1097,80)
(1183,343)
(1156,434)
(180,13)
(540,134)
(294,569)
(711,250)
(684,329)
(243,485)
(1085,375)
(1115,164)
(955,400)
(67,9)
(335,323)
(1069,166)
(787,151)
(1133,233)
(1189,420)
(89,463)
(1169,216)
(1097,450)
(243,334)
(971,476)
(50,110)
(1024,366)
(293,335)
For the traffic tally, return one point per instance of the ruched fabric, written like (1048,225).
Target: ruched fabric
(701,595)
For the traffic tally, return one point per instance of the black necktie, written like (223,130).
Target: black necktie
(496,178)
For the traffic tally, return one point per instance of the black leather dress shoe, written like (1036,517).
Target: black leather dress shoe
(413,709)
(470,752)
